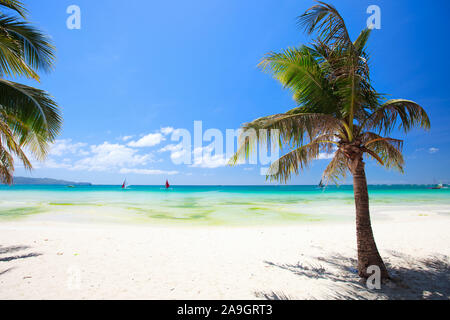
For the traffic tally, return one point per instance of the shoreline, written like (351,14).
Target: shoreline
(48,260)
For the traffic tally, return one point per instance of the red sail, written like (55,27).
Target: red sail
(167,184)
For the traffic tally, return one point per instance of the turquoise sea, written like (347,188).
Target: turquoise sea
(213,205)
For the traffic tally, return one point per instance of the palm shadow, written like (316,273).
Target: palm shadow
(412,279)
(14,249)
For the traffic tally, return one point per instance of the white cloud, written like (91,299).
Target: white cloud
(126,138)
(52,164)
(167,130)
(147,171)
(172,147)
(209,161)
(149,140)
(177,151)
(66,146)
(433,150)
(203,158)
(109,156)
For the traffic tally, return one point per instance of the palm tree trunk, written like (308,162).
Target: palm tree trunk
(367,249)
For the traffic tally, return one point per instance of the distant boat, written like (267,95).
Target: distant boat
(167,184)
(70,186)
(439,186)
(321,185)
(124,184)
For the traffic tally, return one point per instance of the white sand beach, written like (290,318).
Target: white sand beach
(48,260)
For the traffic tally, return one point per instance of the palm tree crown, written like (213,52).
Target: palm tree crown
(29,118)
(337,110)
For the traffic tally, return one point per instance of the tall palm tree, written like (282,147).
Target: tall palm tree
(338,111)
(29,117)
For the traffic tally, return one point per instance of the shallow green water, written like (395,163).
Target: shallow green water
(211,205)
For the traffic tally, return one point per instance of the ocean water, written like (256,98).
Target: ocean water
(213,205)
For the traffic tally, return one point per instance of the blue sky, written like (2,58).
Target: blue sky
(135,70)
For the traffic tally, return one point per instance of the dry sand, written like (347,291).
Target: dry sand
(40,260)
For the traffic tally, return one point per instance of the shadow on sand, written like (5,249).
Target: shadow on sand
(13,249)
(412,279)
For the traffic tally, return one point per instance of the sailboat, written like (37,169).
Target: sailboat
(124,184)
(167,184)
(439,186)
(321,185)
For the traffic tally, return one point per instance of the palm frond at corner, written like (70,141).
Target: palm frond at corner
(31,114)
(29,118)
(25,48)
(16,6)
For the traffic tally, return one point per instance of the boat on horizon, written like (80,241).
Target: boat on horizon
(321,185)
(439,186)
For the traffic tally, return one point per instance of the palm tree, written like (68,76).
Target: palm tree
(29,117)
(338,111)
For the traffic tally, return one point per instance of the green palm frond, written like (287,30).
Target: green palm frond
(390,156)
(248,142)
(32,115)
(7,147)
(336,170)
(6,166)
(15,5)
(298,70)
(29,118)
(33,47)
(347,65)
(326,20)
(387,151)
(400,113)
(368,138)
(12,63)
(361,42)
(292,162)
(296,127)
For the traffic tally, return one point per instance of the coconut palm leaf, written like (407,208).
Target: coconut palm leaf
(326,20)
(31,114)
(298,70)
(33,47)
(12,63)
(8,146)
(336,170)
(6,166)
(400,113)
(295,127)
(361,42)
(29,118)
(292,162)
(387,151)
(15,5)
